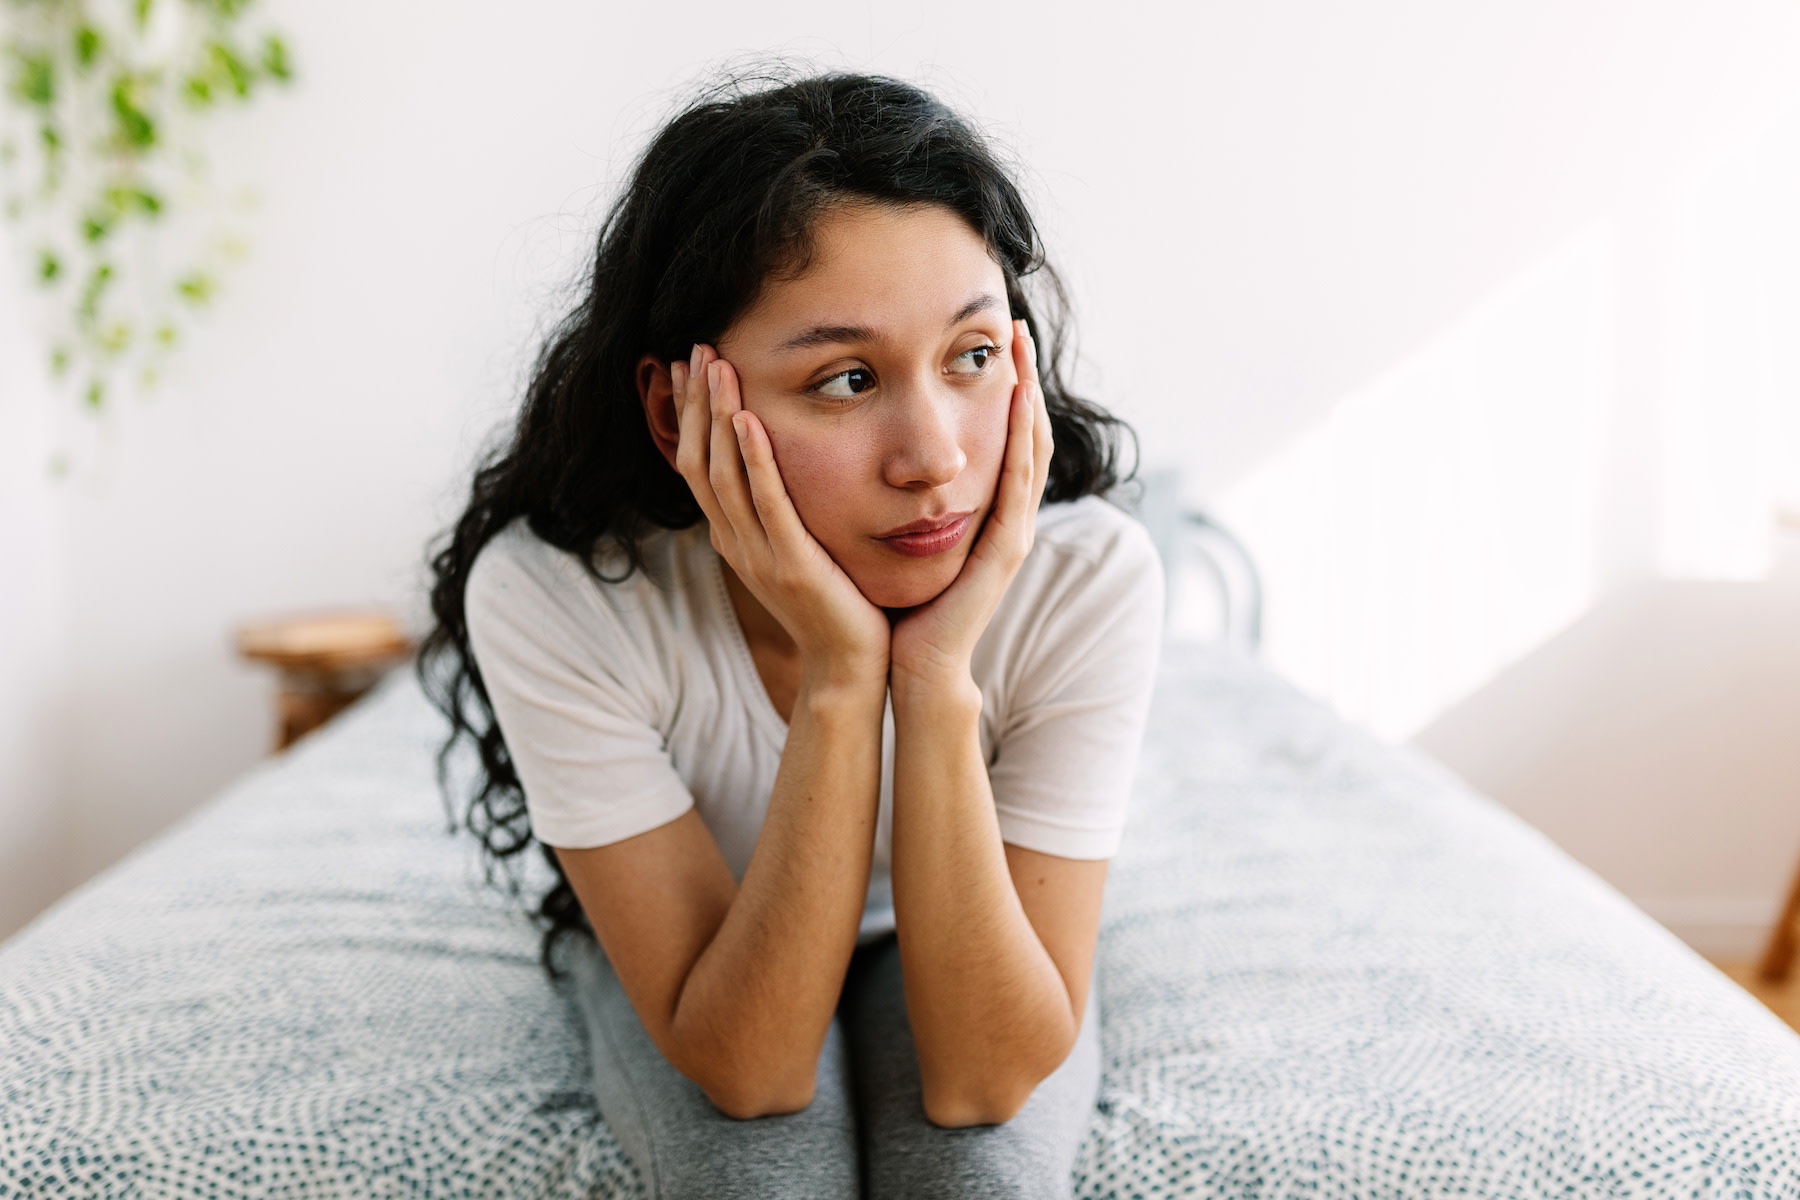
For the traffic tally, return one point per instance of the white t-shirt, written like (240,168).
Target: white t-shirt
(625,704)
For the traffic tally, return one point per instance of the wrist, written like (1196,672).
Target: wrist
(942,689)
(843,689)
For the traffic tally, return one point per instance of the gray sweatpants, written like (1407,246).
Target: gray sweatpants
(865,1133)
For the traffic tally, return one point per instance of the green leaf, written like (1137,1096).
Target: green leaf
(34,79)
(59,361)
(122,200)
(87,46)
(165,335)
(228,67)
(199,91)
(196,288)
(90,295)
(275,58)
(95,228)
(95,395)
(49,266)
(116,338)
(142,12)
(52,140)
(136,129)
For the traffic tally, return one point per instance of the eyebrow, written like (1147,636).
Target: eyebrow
(836,335)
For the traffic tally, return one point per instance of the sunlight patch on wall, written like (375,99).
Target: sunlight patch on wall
(1730,415)
(1442,521)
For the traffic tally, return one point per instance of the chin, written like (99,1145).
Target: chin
(909,586)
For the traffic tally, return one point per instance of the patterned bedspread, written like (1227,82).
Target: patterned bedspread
(1327,969)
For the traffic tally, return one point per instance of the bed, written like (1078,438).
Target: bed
(1327,968)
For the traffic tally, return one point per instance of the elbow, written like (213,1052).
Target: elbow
(966,1112)
(745,1096)
(746,1104)
(744,1085)
(991,1094)
(991,1100)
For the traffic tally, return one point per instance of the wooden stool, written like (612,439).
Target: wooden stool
(1778,959)
(327,661)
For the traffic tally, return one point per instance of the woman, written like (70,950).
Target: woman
(760,629)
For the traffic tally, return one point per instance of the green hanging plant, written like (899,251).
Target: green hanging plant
(103,100)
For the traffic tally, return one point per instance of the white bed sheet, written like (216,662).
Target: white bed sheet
(1327,968)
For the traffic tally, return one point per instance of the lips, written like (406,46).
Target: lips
(924,525)
(927,536)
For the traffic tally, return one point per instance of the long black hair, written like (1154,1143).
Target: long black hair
(724,197)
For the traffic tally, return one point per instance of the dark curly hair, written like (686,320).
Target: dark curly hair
(724,197)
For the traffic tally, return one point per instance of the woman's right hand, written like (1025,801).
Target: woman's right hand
(725,456)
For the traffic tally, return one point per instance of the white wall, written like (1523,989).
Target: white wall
(1654,737)
(1262,208)
(1545,503)
(34,866)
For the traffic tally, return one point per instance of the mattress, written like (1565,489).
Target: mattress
(1327,968)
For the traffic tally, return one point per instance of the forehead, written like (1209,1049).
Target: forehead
(887,268)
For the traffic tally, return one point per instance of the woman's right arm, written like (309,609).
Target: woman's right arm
(737,983)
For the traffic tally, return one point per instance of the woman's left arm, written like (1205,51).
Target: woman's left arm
(996,941)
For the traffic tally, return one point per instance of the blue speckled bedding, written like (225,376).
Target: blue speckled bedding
(1327,969)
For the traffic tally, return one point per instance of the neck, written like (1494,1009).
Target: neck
(761,629)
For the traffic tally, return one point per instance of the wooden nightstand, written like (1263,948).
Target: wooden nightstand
(327,661)
(1778,958)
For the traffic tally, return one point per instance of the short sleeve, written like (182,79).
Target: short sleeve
(1067,746)
(573,695)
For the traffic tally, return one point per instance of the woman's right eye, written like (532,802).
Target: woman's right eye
(846,384)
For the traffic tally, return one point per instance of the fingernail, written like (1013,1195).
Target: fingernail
(712,376)
(740,426)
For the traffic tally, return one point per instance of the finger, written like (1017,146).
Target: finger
(1024,349)
(1026,364)
(681,375)
(692,453)
(1014,503)
(726,469)
(1042,436)
(1005,535)
(691,449)
(768,493)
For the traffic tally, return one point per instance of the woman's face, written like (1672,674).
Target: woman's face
(884,376)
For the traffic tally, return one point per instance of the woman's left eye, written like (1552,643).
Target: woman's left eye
(978,360)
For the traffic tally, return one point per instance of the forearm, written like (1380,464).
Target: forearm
(990,1013)
(755,1007)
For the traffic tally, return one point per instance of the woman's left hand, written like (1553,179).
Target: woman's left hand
(933,643)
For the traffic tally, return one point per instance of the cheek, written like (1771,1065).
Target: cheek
(984,439)
(813,465)
(818,472)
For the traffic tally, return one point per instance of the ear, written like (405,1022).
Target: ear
(656,389)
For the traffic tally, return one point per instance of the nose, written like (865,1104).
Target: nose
(925,449)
